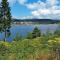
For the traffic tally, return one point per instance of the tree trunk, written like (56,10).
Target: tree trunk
(5,36)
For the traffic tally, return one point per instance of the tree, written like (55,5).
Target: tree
(1,22)
(0,12)
(36,33)
(6,18)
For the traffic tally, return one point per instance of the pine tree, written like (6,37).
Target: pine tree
(6,17)
(36,33)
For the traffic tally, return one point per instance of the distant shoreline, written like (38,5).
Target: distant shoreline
(35,21)
(32,24)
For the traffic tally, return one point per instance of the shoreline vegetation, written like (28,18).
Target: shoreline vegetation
(34,47)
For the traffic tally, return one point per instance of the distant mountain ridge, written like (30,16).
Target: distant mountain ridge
(37,20)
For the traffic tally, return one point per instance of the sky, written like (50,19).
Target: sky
(41,9)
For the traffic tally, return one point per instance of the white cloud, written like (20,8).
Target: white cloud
(55,12)
(38,5)
(42,5)
(46,14)
(22,1)
(48,9)
(55,7)
(52,2)
(41,12)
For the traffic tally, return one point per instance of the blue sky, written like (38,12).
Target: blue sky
(25,9)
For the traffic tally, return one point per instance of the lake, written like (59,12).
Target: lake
(23,30)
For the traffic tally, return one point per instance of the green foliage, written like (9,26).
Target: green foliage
(35,33)
(29,36)
(5,22)
(18,37)
(27,49)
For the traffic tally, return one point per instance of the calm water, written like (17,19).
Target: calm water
(23,30)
